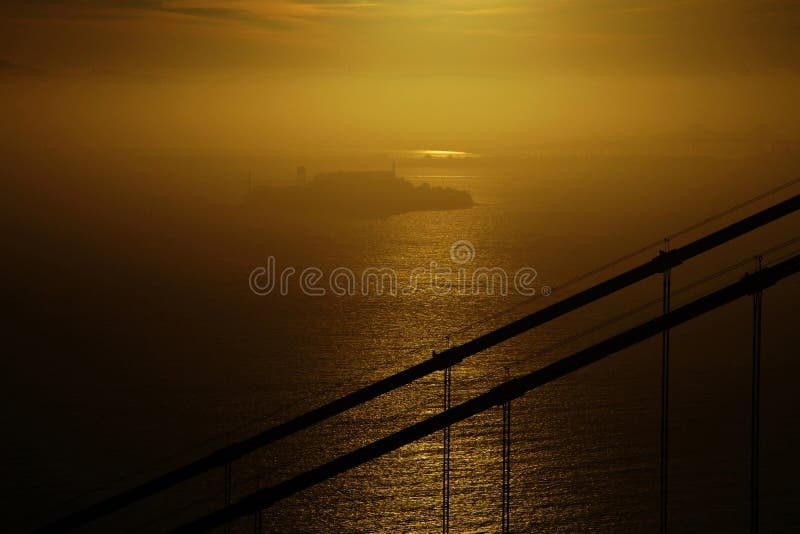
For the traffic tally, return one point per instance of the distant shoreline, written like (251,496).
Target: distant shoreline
(358,193)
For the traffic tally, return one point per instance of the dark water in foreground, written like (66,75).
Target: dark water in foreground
(129,346)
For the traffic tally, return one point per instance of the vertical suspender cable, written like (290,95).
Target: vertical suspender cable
(666,286)
(756,376)
(506,485)
(446,405)
(258,515)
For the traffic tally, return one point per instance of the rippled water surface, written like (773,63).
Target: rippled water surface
(189,360)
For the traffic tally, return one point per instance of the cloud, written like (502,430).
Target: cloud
(221,10)
(244,10)
(235,14)
(473,36)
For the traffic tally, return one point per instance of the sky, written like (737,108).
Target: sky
(472,75)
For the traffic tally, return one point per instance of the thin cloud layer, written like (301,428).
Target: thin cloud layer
(462,36)
(468,74)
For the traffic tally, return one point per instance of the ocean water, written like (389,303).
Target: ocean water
(145,348)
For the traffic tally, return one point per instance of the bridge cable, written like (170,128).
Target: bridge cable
(507,391)
(448,357)
(756,378)
(666,283)
(564,342)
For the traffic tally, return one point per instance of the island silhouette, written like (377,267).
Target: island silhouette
(357,193)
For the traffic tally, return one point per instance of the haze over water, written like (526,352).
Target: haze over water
(156,343)
(135,135)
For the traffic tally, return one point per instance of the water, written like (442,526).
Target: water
(154,346)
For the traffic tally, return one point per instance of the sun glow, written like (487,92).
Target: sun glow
(438,154)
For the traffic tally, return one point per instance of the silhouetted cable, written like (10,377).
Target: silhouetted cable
(736,208)
(631,255)
(646,305)
(756,378)
(419,349)
(507,391)
(448,358)
(466,384)
(560,287)
(446,404)
(641,307)
(505,501)
(784,256)
(423,347)
(666,290)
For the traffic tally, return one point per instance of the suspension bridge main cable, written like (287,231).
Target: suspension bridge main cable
(506,391)
(447,358)
(630,255)
(418,349)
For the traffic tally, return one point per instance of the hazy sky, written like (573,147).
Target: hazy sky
(459,74)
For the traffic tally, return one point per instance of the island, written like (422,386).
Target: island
(358,193)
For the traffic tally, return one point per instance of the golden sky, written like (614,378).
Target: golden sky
(452,74)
